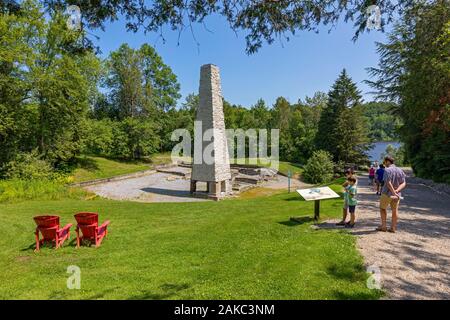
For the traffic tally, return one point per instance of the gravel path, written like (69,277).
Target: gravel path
(166,187)
(156,187)
(415,261)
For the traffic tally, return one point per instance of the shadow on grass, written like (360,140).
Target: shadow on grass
(347,272)
(31,247)
(86,163)
(168,290)
(295,198)
(51,246)
(296,221)
(358,295)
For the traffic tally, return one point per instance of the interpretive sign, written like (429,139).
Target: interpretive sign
(317,194)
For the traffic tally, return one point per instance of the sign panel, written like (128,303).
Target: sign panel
(317,193)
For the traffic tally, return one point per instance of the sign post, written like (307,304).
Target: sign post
(289,181)
(316,209)
(317,194)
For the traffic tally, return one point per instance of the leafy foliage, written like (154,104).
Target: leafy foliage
(414,70)
(319,168)
(384,124)
(397,153)
(44,86)
(28,166)
(264,20)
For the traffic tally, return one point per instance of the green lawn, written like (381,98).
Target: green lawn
(94,167)
(232,249)
(90,168)
(283,166)
(295,168)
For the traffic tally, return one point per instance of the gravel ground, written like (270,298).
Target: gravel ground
(165,187)
(415,261)
(156,187)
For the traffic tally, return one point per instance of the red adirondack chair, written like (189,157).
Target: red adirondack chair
(87,222)
(48,226)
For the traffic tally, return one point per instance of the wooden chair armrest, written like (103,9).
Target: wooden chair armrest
(104,224)
(65,229)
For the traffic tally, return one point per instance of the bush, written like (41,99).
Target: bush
(135,138)
(28,166)
(319,168)
(131,138)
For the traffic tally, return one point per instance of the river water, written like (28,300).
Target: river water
(380,147)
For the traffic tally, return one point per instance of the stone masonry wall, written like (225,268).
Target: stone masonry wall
(210,113)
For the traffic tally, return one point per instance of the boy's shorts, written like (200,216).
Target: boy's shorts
(386,201)
(352,209)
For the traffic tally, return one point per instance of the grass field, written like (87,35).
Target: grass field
(91,168)
(283,166)
(232,249)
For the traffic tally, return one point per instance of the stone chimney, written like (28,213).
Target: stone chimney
(211,162)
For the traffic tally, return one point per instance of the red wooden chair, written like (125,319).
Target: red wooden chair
(87,222)
(48,226)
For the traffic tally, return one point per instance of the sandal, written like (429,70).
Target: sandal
(381,229)
(341,223)
(350,225)
(391,230)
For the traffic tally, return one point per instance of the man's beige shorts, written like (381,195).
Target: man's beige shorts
(386,201)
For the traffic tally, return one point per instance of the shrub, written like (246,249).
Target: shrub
(319,168)
(135,138)
(28,166)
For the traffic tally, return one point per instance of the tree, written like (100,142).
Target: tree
(319,168)
(264,20)
(142,94)
(342,127)
(45,85)
(384,123)
(282,115)
(397,153)
(305,132)
(139,82)
(414,72)
(261,115)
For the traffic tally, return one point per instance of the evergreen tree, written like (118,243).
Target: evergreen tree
(342,129)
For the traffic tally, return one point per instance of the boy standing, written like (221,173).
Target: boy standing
(349,200)
(352,202)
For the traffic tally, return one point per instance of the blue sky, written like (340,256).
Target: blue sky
(309,62)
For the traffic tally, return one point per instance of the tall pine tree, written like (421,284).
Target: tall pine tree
(342,127)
